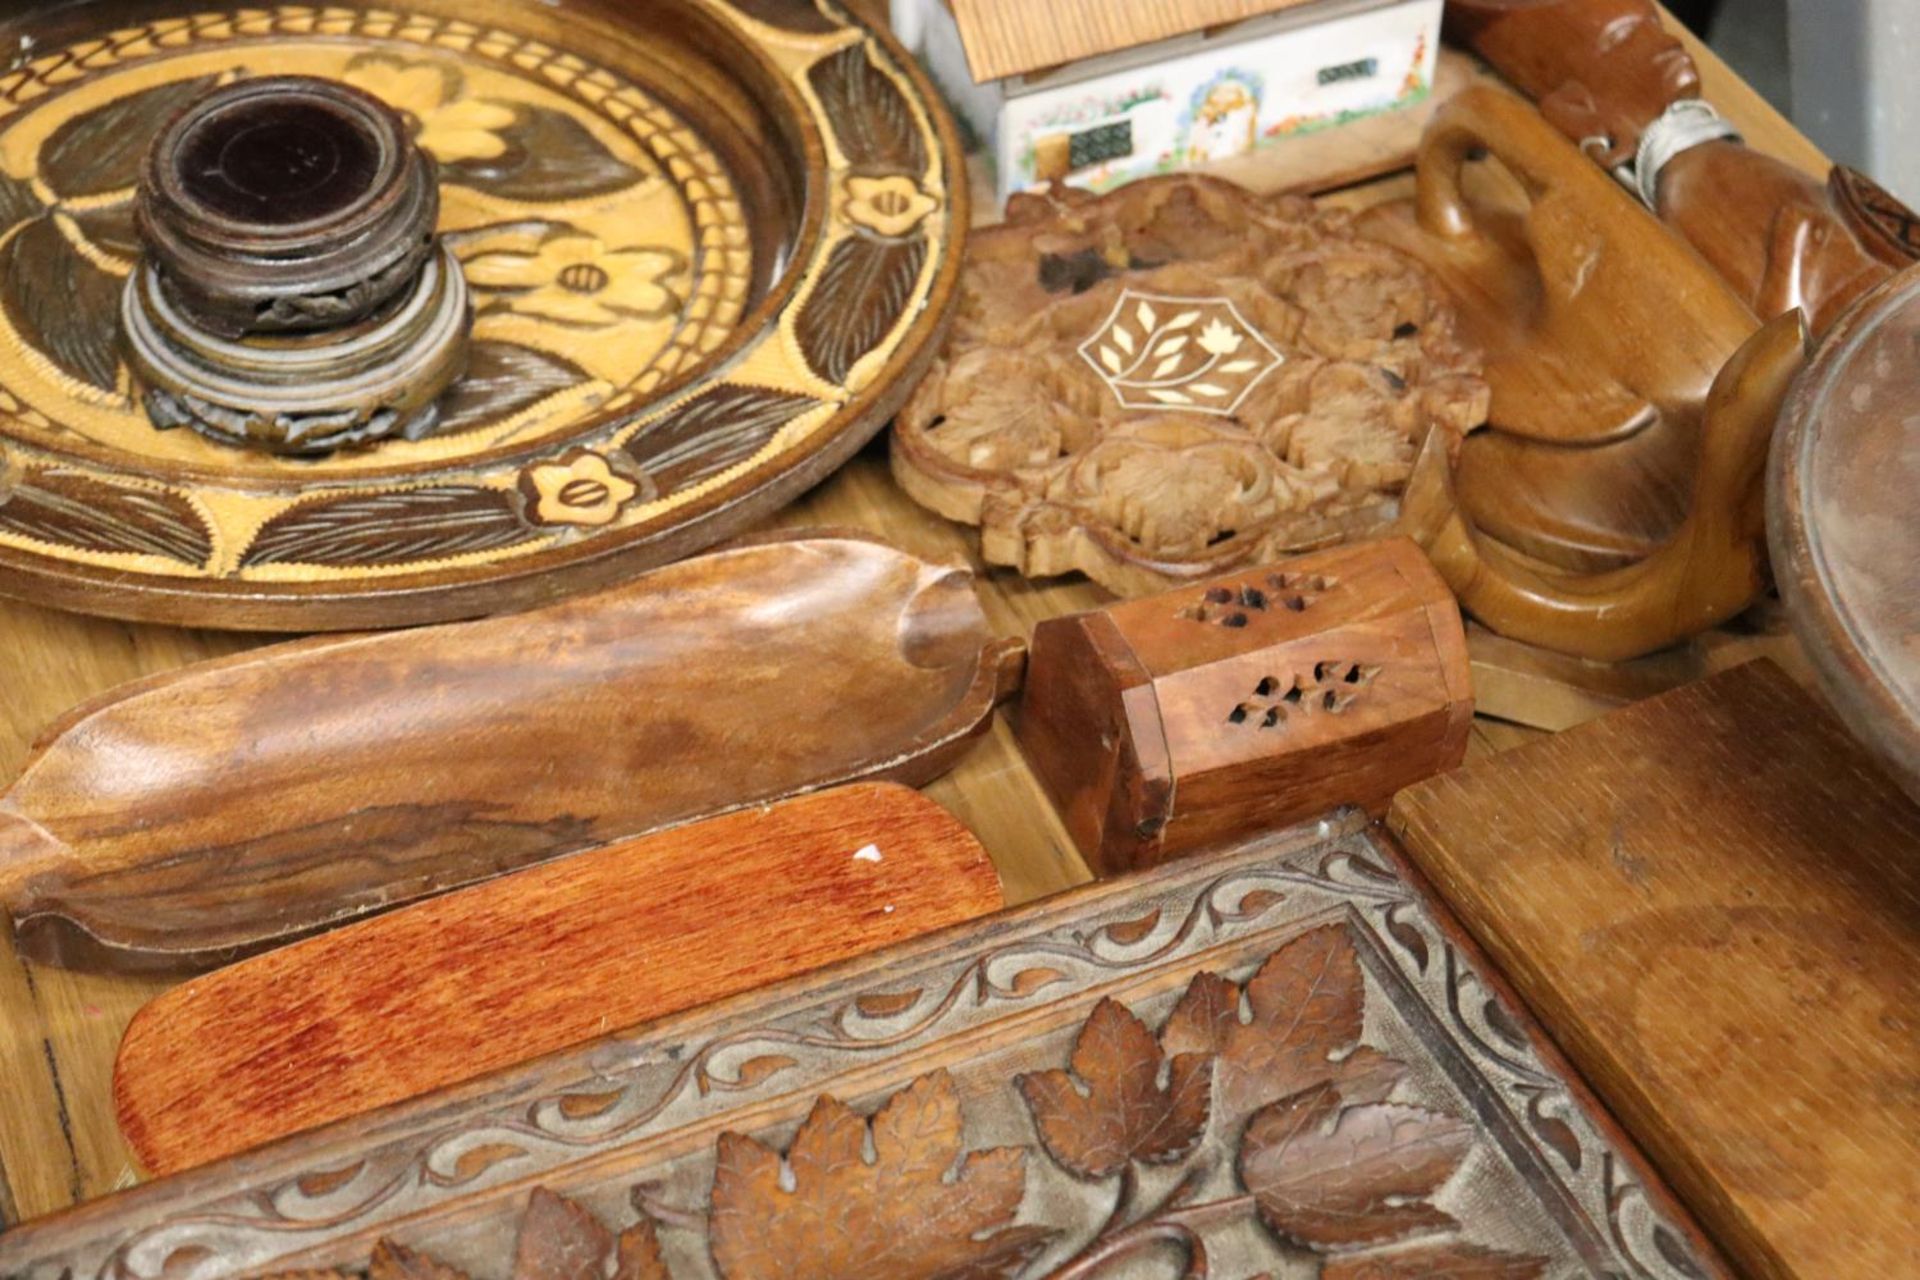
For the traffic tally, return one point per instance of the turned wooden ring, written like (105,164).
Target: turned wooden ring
(286,204)
(376,380)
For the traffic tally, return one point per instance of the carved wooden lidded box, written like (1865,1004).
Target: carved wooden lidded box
(1168,724)
(706,247)
(1282,1063)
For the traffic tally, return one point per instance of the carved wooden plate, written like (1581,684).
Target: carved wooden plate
(1164,383)
(1841,519)
(711,244)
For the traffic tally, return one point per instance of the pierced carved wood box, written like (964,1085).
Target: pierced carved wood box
(1164,725)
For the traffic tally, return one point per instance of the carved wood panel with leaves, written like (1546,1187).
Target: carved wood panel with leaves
(1277,1065)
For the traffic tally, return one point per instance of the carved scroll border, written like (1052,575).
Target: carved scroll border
(630,1089)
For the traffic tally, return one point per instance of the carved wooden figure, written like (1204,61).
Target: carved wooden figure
(710,247)
(1168,724)
(1606,73)
(1713,566)
(1180,378)
(1281,1062)
(1712,899)
(239,804)
(536,961)
(1600,375)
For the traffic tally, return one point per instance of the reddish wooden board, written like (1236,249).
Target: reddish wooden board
(534,962)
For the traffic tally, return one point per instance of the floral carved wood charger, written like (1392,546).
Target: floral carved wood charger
(709,242)
(1180,377)
(1279,1063)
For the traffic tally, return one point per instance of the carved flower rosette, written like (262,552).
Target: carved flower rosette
(1180,377)
(718,315)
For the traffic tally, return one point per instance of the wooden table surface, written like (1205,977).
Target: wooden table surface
(59,1030)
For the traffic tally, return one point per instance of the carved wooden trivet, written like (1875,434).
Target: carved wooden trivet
(1280,1063)
(1178,378)
(710,247)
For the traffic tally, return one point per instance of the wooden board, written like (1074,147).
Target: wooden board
(711,247)
(505,972)
(1007,37)
(1713,901)
(59,1030)
(1343,1077)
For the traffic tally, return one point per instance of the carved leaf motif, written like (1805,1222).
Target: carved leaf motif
(887,1004)
(1555,1132)
(585,1106)
(327,1181)
(1308,1006)
(1438,1262)
(1128,932)
(390,528)
(861,295)
(397,1262)
(549,156)
(754,1071)
(919,1211)
(1408,936)
(78,511)
(711,432)
(62,305)
(639,1256)
(559,1240)
(110,227)
(17,201)
(1028,981)
(100,151)
(1329,1176)
(475,1161)
(870,115)
(1124,1114)
(504,379)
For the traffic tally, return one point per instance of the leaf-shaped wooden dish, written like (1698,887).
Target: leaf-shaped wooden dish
(223,808)
(711,245)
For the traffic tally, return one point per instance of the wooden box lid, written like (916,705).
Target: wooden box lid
(1009,37)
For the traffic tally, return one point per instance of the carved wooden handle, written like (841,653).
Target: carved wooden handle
(1487,121)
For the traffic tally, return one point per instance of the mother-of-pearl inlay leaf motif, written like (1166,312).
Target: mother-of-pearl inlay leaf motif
(1196,354)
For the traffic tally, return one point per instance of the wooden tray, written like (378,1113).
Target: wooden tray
(712,244)
(1841,519)
(1348,1093)
(190,819)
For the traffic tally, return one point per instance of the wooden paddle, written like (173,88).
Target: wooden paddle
(506,971)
